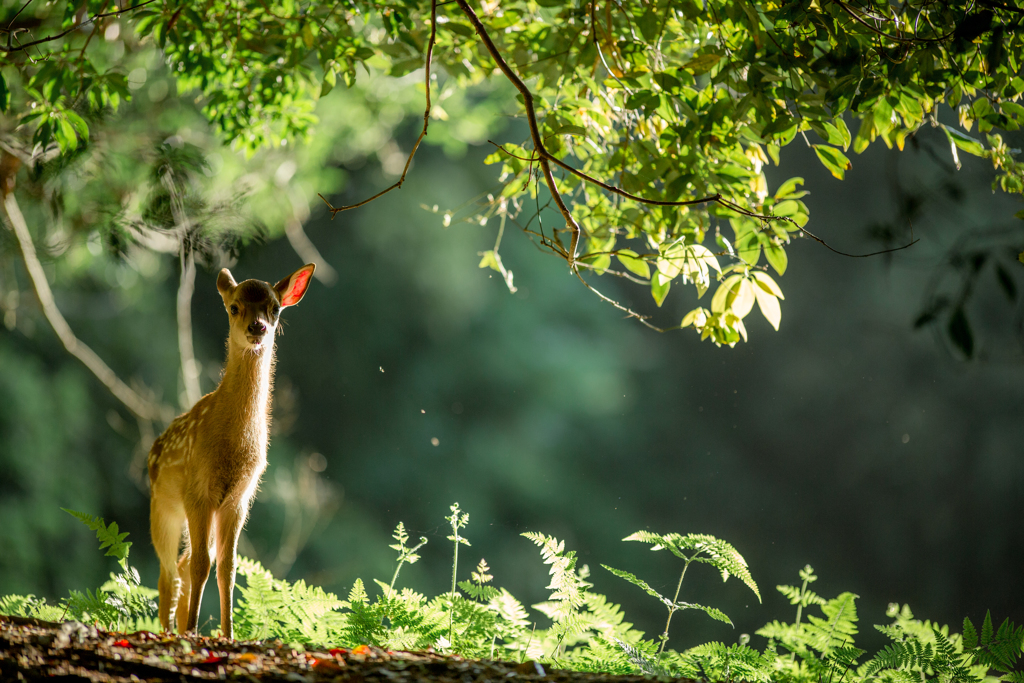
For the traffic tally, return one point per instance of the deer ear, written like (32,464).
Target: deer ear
(225,283)
(293,288)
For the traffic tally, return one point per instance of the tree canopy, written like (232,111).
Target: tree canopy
(649,122)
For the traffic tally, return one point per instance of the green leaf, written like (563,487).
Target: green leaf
(834,160)
(964,142)
(769,305)
(630,259)
(765,282)
(659,290)
(702,63)
(776,256)
(788,189)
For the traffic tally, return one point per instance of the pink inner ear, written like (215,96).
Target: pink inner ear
(297,290)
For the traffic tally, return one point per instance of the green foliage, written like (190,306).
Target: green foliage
(658,118)
(705,549)
(568,587)
(293,612)
(587,632)
(121,603)
(108,536)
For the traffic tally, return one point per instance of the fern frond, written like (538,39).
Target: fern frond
(839,625)
(721,662)
(108,536)
(641,584)
(970,635)
(720,554)
(804,598)
(20,605)
(478,592)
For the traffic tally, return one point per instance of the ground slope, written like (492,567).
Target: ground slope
(35,650)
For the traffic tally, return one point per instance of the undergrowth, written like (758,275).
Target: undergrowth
(584,631)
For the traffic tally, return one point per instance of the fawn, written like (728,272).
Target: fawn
(205,468)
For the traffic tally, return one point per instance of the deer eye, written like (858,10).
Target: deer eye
(234,309)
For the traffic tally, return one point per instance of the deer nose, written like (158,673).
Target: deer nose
(256,327)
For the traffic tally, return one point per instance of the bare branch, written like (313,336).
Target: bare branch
(189,365)
(308,252)
(825,244)
(138,405)
(426,122)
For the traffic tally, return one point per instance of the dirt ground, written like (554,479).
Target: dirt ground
(33,650)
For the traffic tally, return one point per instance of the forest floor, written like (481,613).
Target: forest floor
(35,650)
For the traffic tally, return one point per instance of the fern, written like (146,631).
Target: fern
(294,612)
(707,549)
(568,587)
(405,554)
(690,548)
(721,662)
(108,536)
(673,606)
(996,649)
(478,588)
(837,628)
(122,603)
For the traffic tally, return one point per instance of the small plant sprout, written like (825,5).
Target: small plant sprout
(802,597)
(690,548)
(458,519)
(405,554)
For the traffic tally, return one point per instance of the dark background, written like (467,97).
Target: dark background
(848,440)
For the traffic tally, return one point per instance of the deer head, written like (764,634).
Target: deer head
(254,307)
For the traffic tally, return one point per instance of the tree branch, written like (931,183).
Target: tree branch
(426,122)
(138,405)
(546,158)
(307,251)
(189,366)
(24,46)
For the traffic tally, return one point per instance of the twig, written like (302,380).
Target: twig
(874,253)
(17,14)
(426,122)
(899,39)
(132,400)
(23,46)
(630,313)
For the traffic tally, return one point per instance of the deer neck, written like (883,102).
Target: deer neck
(244,391)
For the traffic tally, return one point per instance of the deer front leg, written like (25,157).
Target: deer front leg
(229,526)
(199,562)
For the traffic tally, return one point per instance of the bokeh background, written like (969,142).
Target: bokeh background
(853,439)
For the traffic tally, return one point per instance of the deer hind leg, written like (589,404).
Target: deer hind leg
(165,528)
(185,580)
(229,525)
(196,563)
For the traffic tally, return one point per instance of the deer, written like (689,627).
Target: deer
(205,468)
